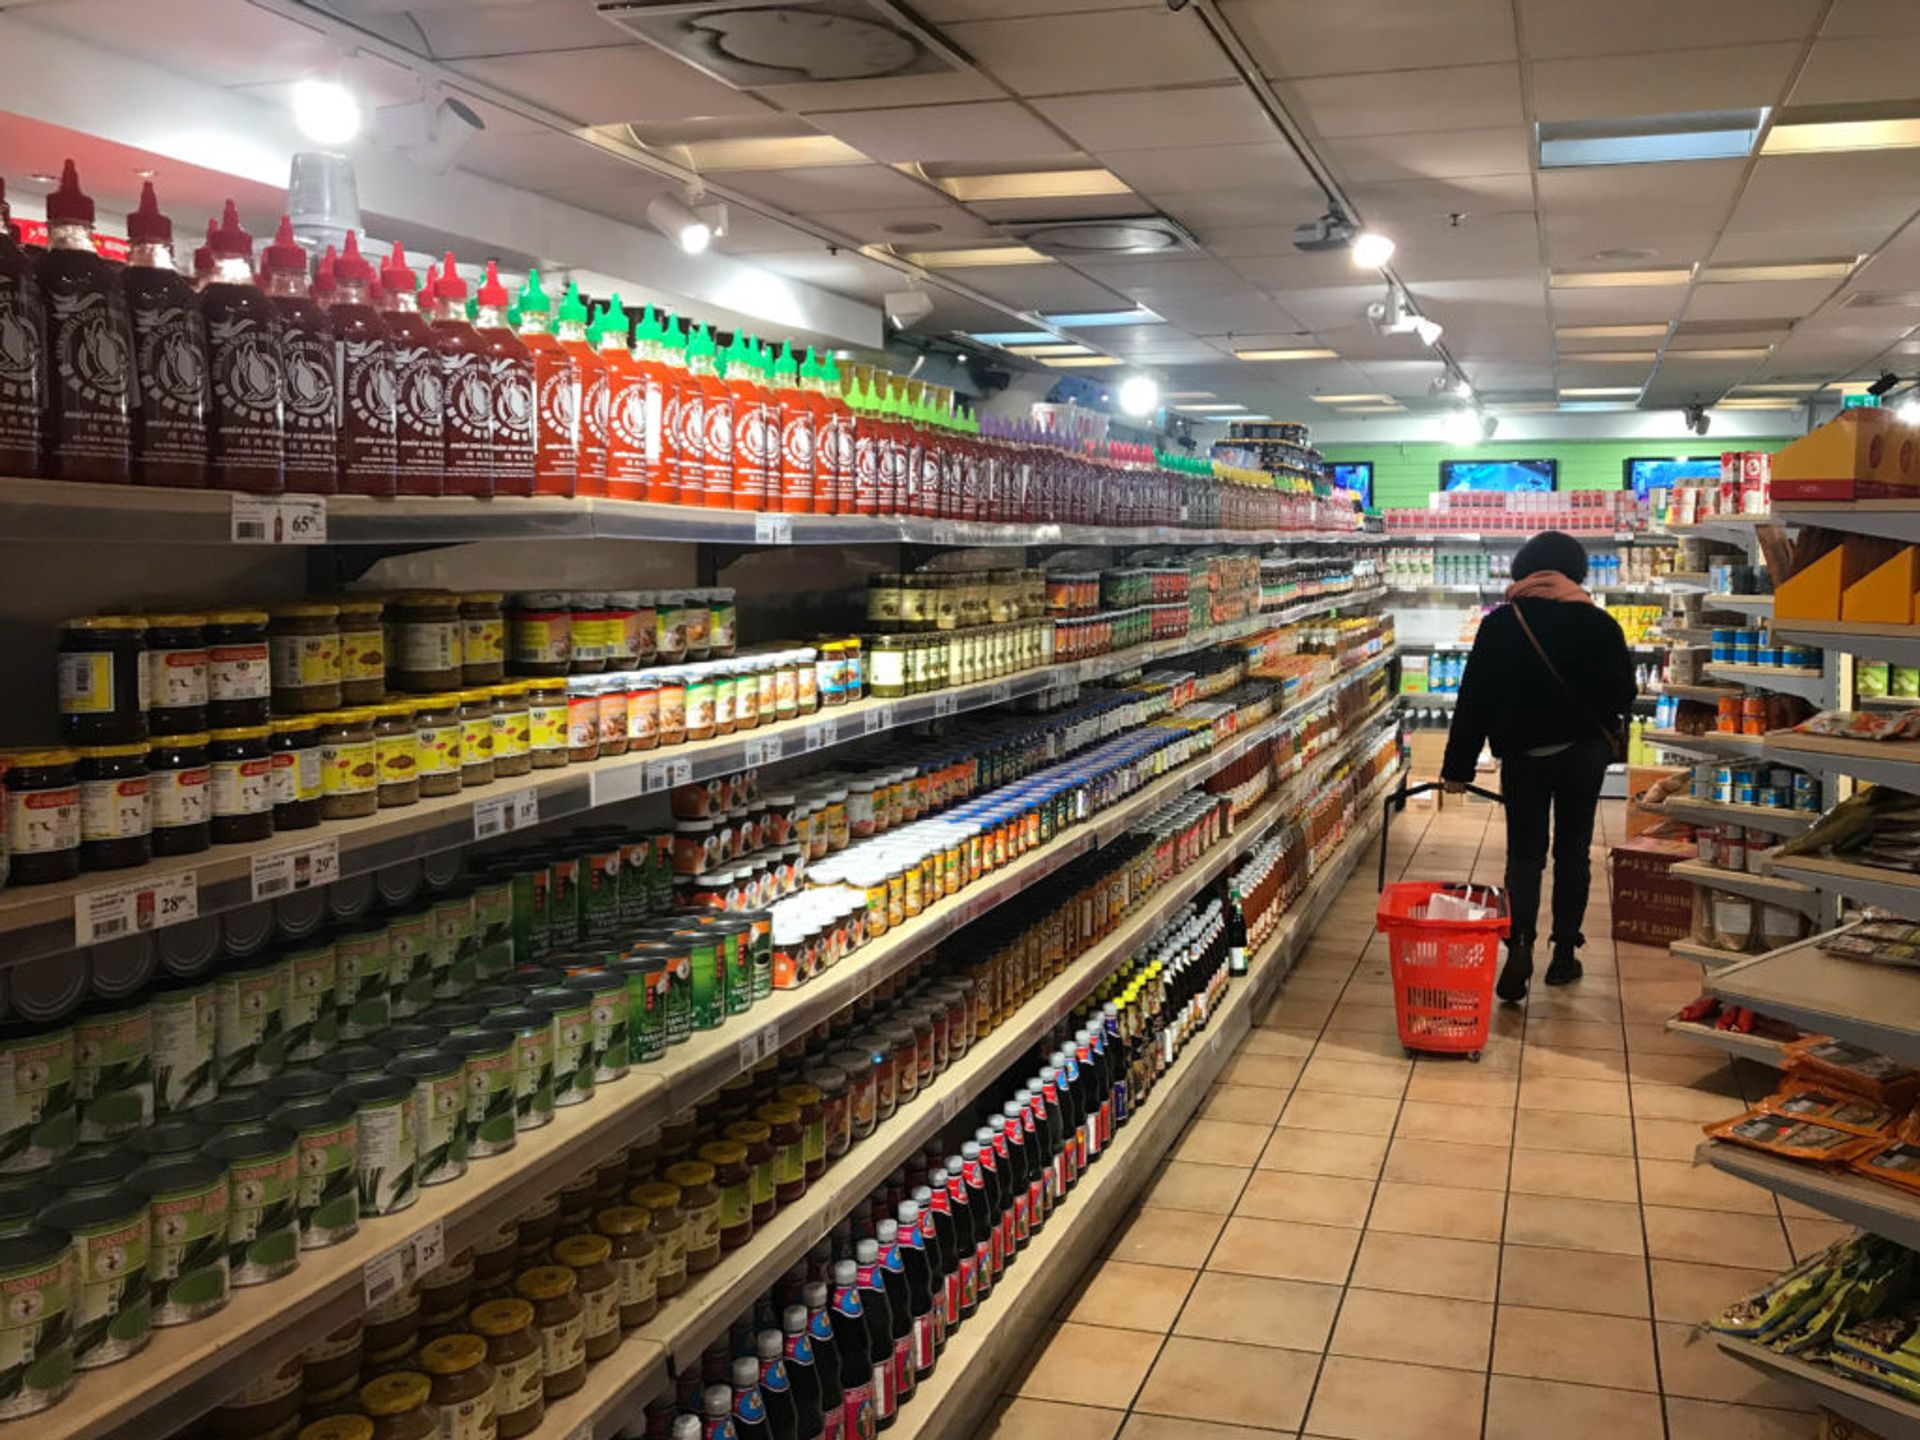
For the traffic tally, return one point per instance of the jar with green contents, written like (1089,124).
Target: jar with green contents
(37,1274)
(185,1022)
(303,645)
(437,730)
(349,765)
(396,755)
(440,1111)
(476,738)
(533,1076)
(790,1150)
(240,785)
(328,1196)
(487,1059)
(250,1043)
(575,1058)
(386,1153)
(755,1137)
(700,1204)
(112,1231)
(606,993)
(187,1256)
(312,1019)
(363,990)
(113,1071)
(706,975)
(734,1178)
(363,651)
(668,1226)
(512,730)
(263,1219)
(298,783)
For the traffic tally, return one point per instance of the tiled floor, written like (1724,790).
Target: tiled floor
(1349,1245)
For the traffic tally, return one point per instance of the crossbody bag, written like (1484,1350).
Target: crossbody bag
(1615,737)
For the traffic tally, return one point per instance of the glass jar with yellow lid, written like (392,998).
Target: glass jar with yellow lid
(397,1405)
(700,1203)
(238,686)
(349,764)
(337,1427)
(103,680)
(461,1399)
(436,728)
(636,1261)
(590,1257)
(668,1228)
(512,729)
(483,637)
(546,722)
(116,806)
(396,745)
(363,649)
(734,1177)
(476,738)
(559,1320)
(427,651)
(303,645)
(239,785)
(514,1352)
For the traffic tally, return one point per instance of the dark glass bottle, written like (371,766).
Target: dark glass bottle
(309,370)
(893,1276)
(87,432)
(419,449)
(23,353)
(879,1319)
(466,388)
(169,356)
(749,1404)
(919,1278)
(853,1343)
(966,1238)
(246,442)
(803,1374)
(826,1361)
(936,1229)
(368,392)
(776,1388)
(986,1224)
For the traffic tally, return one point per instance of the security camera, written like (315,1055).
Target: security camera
(1885,383)
(1698,420)
(907,307)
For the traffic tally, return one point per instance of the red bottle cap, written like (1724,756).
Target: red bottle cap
(430,283)
(285,253)
(351,267)
(230,241)
(395,276)
(147,226)
(203,254)
(449,286)
(69,205)
(324,273)
(491,291)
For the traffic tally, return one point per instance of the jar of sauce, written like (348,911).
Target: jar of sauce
(116,816)
(559,1319)
(547,722)
(363,651)
(426,655)
(512,730)
(436,723)
(623,613)
(699,702)
(668,1228)
(176,674)
(673,707)
(700,1204)
(636,1261)
(349,765)
(461,1398)
(789,1139)
(43,814)
(483,638)
(397,1405)
(303,646)
(670,627)
(514,1352)
(755,1137)
(583,721)
(590,1257)
(298,781)
(240,785)
(612,714)
(103,679)
(177,780)
(643,712)
(813,1121)
(396,749)
(476,738)
(540,632)
(834,1086)
(238,683)
(591,624)
(733,1176)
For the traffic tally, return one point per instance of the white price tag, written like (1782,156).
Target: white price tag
(303,519)
(116,911)
(665,774)
(303,867)
(499,815)
(385,1275)
(278,520)
(773,530)
(749,1051)
(950,1106)
(944,705)
(764,751)
(879,718)
(430,1248)
(820,736)
(1000,693)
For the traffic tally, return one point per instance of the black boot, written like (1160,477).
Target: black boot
(1514,975)
(1564,968)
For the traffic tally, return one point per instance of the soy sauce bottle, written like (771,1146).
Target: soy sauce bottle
(87,433)
(853,1342)
(914,1266)
(826,1362)
(893,1275)
(310,384)
(169,356)
(1019,1173)
(879,1318)
(936,1233)
(986,1223)
(776,1388)
(803,1374)
(965,1242)
(992,1141)
(23,356)
(749,1405)
(716,1406)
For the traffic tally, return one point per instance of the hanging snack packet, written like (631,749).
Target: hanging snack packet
(1884,1351)
(1780,1304)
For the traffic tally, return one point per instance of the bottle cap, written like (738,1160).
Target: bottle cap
(285,253)
(146,226)
(909,1212)
(573,310)
(717,1400)
(203,254)
(939,1177)
(396,277)
(449,286)
(866,1251)
(70,205)
(532,299)
(770,1344)
(492,293)
(648,331)
(887,1232)
(793,1319)
(229,241)
(430,281)
(745,1371)
(786,370)
(700,344)
(325,274)
(685,1427)
(845,1272)
(352,268)
(613,320)
(814,1294)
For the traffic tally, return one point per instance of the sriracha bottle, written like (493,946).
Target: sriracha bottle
(556,395)
(747,488)
(369,394)
(853,1342)
(246,441)
(311,407)
(716,422)
(203,259)
(626,408)
(590,462)
(866,448)
(23,370)
(169,356)
(510,373)
(685,434)
(660,413)
(796,437)
(420,445)
(840,427)
(466,388)
(87,432)
(323,287)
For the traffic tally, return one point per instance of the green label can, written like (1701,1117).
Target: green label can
(493,910)
(410,963)
(39,1116)
(263,1217)
(532,1065)
(601,900)
(36,1321)
(760,952)
(608,993)
(112,1309)
(576,1059)
(113,1073)
(313,1013)
(362,992)
(328,1198)
(488,1057)
(386,1152)
(636,880)
(183,1048)
(529,930)
(250,1023)
(647,980)
(707,977)
(737,959)
(187,1260)
(456,944)
(565,902)
(439,1113)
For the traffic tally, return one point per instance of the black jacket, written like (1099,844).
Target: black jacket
(1508,697)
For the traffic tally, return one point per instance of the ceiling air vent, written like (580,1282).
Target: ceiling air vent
(785,42)
(1129,235)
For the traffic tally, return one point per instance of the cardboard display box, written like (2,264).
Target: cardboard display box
(1650,907)
(1641,778)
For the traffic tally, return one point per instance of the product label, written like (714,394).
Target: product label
(262,1220)
(512,409)
(638,1276)
(187,1264)
(371,393)
(363,654)
(311,398)
(23,357)
(417,398)
(473,1419)
(454,944)
(42,822)
(248,379)
(310,1023)
(85,682)
(348,767)
(398,756)
(242,787)
(237,672)
(38,1121)
(112,1315)
(329,1195)
(94,357)
(183,1049)
(249,1025)
(440,1124)
(302,661)
(533,1078)
(466,397)
(35,1306)
(483,641)
(115,809)
(387,1157)
(476,740)
(517,1383)
(438,749)
(491,1104)
(179,797)
(177,678)
(427,645)
(563,1345)
(113,1074)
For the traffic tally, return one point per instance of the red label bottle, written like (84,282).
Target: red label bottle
(246,444)
(310,370)
(626,409)
(577,339)
(716,423)
(867,450)
(87,433)
(419,434)
(796,436)
(748,490)
(685,436)
(369,397)
(466,389)
(659,414)
(169,356)
(840,427)
(556,395)
(510,371)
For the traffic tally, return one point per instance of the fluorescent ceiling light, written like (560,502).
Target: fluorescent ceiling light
(1370,410)
(1083,362)
(1601,279)
(1366,399)
(979,255)
(1099,319)
(1370,249)
(1284,355)
(1811,129)
(1206,408)
(1758,402)
(1850,387)
(1593,407)
(1606,332)
(1237,418)
(1649,139)
(1189,395)
(1033,185)
(1012,337)
(1781,387)
(772,152)
(1725,352)
(1600,392)
(1062,348)
(1836,268)
(1613,357)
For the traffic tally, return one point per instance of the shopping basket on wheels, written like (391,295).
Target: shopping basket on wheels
(1443,969)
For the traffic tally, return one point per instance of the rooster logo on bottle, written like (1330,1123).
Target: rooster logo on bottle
(468,398)
(21,346)
(373,392)
(310,392)
(95,352)
(173,371)
(247,373)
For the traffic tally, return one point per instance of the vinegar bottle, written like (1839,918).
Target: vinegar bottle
(590,460)
(556,395)
(466,389)
(796,436)
(420,445)
(510,373)
(627,415)
(246,441)
(311,395)
(169,356)
(87,431)
(369,409)
(716,421)
(23,360)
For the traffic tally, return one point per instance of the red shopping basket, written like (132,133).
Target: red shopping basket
(1443,970)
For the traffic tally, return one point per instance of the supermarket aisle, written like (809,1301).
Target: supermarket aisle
(1349,1245)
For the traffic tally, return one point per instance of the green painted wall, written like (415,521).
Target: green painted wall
(1405,473)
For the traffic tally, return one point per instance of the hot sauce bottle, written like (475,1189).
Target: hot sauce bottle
(369,423)
(661,413)
(748,489)
(87,432)
(866,447)
(590,462)
(23,362)
(510,370)
(556,395)
(796,437)
(686,438)
(169,356)
(626,408)
(466,389)
(203,258)
(770,424)
(246,443)
(840,426)
(419,448)
(716,422)
(325,288)
(310,384)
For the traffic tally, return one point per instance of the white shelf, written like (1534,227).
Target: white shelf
(1746,604)
(1889,519)
(1884,762)
(1711,957)
(1773,889)
(1873,1006)
(1729,529)
(1711,742)
(1713,812)
(1899,644)
(1895,890)
(1844,1194)
(1761,1048)
(1809,685)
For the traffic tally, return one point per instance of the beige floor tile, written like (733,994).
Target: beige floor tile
(1693,1367)
(1167,1237)
(1523,1409)
(1285,1250)
(1700,1072)
(1018,1419)
(1129,1296)
(1557,1222)
(1375,1049)
(1810,1237)
(1347,1114)
(1706,1420)
(1325,1152)
(1678,1102)
(1269,1042)
(1258,1310)
(1578,1097)
(1700,1187)
(1441,1162)
(1181,1185)
(1316,1199)
(1658,1040)
(1558,1130)
(1276,1072)
(1222,1142)
(1350,1077)
(1305,1009)
(1169,1427)
(1245,1104)
(1666,1139)
(1450,1211)
(1583,1034)
(1088,1365)
(1590,1280)
(1755,1241)
(1384,1400)
(1573,1175)
(1462,1124)
(1416,1329)
(1688,1292)
(1566,1062)
(1584,1349)
(1208,1380)
(1291,1040)
(1458,1085)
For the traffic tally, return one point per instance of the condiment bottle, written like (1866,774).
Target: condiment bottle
(879,1321)
(852,1343)
(837,460)
(826,1359)
(203,258)
(310,388)
(632,413)
(419,450)
(575,335)
(919,1277)
(748,487)
(510,372)
(246,443)
(893,1276)
(749,1405)
(556,395)
(23,382)
(324,289)
(169,356)
(716,423)
(796,437)
(776,1389)
(684,433)
(87,431)
(369,423)
(466,388)
(795,1349)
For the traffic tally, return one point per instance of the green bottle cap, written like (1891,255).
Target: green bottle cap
(830,372)
(473,309)
(613,320)
(700,344)
(786,370)
(648,331)
(532,300)
(513,317)
(573,310)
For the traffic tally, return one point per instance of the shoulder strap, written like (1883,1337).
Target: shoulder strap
(1605,730)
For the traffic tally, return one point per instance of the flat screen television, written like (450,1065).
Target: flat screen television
(1357,476)
(1644,473)
(1499,474)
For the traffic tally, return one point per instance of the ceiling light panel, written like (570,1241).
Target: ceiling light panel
(1789,137)
(1082,362)
(1098,319)
(1188,395)
(1756,402)
(1367,399)
(1285,355)
(1650,331)
(982,255)
(1033,185)
(1725,352)
(1599,392)
(1208,409)
(1837,268)
(1614,357)
(1781,387)
(1060,348)
(1012,337)
(1606,279)
(1649,139)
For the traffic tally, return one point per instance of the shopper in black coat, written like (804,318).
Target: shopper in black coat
(1549,735)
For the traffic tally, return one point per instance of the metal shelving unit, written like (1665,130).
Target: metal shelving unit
(1874,1006)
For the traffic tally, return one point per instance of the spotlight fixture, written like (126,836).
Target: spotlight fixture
(432,133)
(674,219)
(1371,250)
(1139,394)
(1428,330)
(327,112)
(1698,420)
(1885,383)
(1332,231)
(907,307)
(1390,316)
(1907,412)
(1461,427)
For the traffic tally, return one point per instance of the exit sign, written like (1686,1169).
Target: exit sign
(1859,402)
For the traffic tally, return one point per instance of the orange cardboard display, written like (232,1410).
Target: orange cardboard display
(1884,595)
(1860,454)
(1813,593)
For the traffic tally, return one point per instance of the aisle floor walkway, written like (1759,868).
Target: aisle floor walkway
(1350,1245)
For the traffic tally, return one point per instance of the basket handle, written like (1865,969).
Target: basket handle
(1401,796)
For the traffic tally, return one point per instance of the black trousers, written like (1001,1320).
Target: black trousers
(1568,785)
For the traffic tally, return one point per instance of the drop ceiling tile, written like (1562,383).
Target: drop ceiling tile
(1609,189)
(1180,169)
(1872,17)
(1574,28)
(824,189)
(942,12)
(456,32)
(1324,310)
(1617,304)
(818,97)
(615,84)
(1441,155)
(1061,207)
(1507,300)
(1465,97)
(1103,50)
(1308,37)
(1571,373)
(224,42)
(1203,210)
(1036,287)
(624,200)
(1418,202)
(1500,344)
(1862,188)
(1669,82)
(1236,242)
(1484,247)
(1855,71)
(905,226)
(1586,241)
(748,233)
(545,162)
(981,131)
(1296,270)
(1170,272)
(1769,298)
(1402,376)
(1218,315)
(1210,114)
(845,273)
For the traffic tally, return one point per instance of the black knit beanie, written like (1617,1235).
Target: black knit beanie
(1552,550)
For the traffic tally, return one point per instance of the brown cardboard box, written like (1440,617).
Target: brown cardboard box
(1639,779)
(1650,907)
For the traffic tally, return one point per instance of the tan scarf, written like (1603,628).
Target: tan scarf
(1548,585)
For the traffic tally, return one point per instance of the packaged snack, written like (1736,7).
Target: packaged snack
(1782,1302)
(1801,1099)
(1792,1139)
(1862,1071)
(1896,1164)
